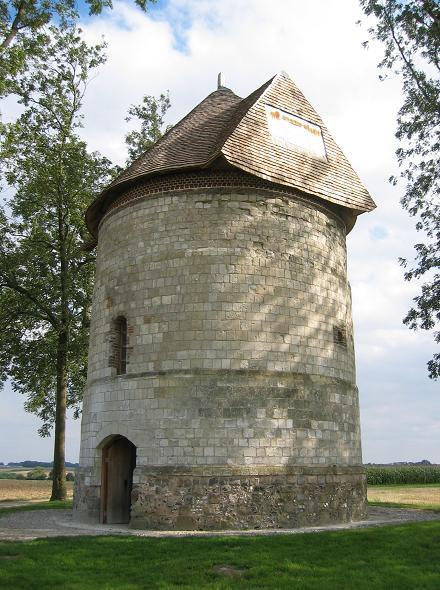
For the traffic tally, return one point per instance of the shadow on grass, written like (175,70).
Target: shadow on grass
(429,507)
(56,504)
(403,557)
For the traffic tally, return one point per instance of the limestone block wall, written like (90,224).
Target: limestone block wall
(223,281)
(240,350)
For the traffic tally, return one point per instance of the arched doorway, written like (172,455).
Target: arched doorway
(118,463)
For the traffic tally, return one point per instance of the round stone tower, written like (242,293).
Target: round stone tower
(221,388)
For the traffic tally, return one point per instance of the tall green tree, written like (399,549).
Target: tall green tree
(410,32)
(150,118)
(20,17)
(45,274)
(23,25)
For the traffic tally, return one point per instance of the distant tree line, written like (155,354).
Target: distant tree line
(38,473)
(32,464)
(398,463)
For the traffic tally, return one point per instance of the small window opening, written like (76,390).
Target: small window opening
(340,335)
(121,343)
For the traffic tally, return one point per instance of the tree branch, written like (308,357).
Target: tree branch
(15,26)
(11,283)
(405,59)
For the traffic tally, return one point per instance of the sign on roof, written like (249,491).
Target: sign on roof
(291,131)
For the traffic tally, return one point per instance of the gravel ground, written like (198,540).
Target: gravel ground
(24,526)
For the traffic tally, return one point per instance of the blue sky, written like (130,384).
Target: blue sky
(181,46)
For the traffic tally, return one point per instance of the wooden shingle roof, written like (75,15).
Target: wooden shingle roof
(252,148)
(225,126)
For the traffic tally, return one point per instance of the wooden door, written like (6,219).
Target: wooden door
(119,461)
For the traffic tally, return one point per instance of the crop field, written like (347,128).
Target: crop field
(409,474)
(417,495)
(16,489)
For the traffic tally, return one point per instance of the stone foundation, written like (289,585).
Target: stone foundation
(86,498)
(176,499)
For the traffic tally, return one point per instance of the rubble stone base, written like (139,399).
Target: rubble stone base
(169,498)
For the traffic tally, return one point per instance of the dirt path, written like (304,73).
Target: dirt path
(23,526)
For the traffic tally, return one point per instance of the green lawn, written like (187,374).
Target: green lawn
(412,506)
(404,485)
(391,558)
(56,504)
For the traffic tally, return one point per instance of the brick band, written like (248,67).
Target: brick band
(221,179)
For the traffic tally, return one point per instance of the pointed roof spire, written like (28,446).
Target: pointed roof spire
(221,80)
(274,134)
(283,139)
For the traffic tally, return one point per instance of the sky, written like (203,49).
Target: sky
(181,46)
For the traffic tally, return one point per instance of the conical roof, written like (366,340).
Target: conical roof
(274,134)
(315,165)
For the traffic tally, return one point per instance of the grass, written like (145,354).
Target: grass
(430,507)
(399,557)
(56,504)
(426,497)
(405,486)
(17,489)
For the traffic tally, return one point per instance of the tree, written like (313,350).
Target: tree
(23,29)
(37,473)
(150,113)
(21,17)
(45,274)
(410,30)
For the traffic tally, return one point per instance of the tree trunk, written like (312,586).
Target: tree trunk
(59,490)
(12,33)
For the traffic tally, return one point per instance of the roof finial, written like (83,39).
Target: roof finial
(220,80)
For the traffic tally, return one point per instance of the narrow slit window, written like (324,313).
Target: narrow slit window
(340,335)
(121,345)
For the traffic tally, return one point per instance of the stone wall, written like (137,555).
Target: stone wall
(223,279)
(240,350)
(172,498)
(226,418)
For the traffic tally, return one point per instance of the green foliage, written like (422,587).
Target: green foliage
(19,17)
(410,32)
(24,30)
(379,558)
(402,475)
(37,473)
(9,475)
(45,276)
(150,113)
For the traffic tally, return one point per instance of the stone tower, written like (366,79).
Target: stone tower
(221,388)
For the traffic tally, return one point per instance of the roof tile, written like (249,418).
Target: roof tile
(225,125)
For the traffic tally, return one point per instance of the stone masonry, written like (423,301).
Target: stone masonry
(240,392)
